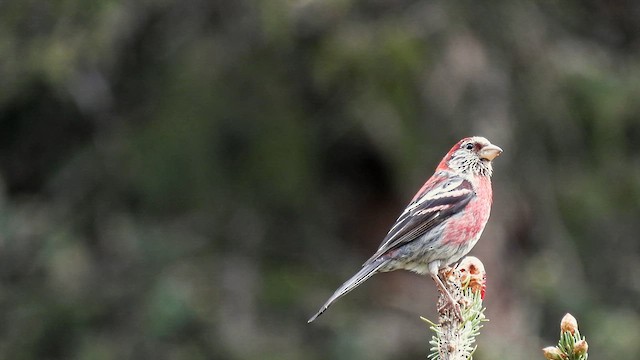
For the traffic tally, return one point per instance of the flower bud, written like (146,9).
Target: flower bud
(580,348)
(569,324)
(473,275)
(553,353)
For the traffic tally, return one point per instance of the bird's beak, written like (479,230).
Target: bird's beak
(490,152)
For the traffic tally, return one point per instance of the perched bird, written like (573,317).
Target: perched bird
(441,224)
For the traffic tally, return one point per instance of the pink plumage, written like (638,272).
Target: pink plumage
(441,224)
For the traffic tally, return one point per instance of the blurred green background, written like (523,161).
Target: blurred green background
(192,179)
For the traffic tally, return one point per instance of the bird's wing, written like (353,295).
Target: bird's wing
(439,199)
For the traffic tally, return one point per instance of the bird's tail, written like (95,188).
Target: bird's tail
(367,271)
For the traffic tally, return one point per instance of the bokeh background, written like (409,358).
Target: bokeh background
(192,179)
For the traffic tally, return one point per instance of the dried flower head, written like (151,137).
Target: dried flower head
(569,324)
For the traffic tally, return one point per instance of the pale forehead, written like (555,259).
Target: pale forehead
(480,140)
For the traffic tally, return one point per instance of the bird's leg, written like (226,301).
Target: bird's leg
(452,302)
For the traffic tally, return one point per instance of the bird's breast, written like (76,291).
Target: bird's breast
(468,224)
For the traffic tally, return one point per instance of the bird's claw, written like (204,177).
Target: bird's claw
(455,308)
(446,271)
(458,311)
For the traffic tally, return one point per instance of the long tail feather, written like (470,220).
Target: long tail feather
(366,272)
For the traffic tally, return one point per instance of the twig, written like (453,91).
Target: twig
(454,338)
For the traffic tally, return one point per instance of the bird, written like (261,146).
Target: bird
(441,223)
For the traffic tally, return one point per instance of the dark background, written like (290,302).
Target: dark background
(192,179)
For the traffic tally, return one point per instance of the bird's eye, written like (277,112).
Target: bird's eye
(469,146)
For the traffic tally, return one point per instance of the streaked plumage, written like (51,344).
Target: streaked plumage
(443,221)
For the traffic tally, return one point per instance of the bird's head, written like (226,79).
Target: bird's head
(471,156)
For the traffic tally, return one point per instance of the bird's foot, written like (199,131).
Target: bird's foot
(449,301)
(446,272)
(454,306)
